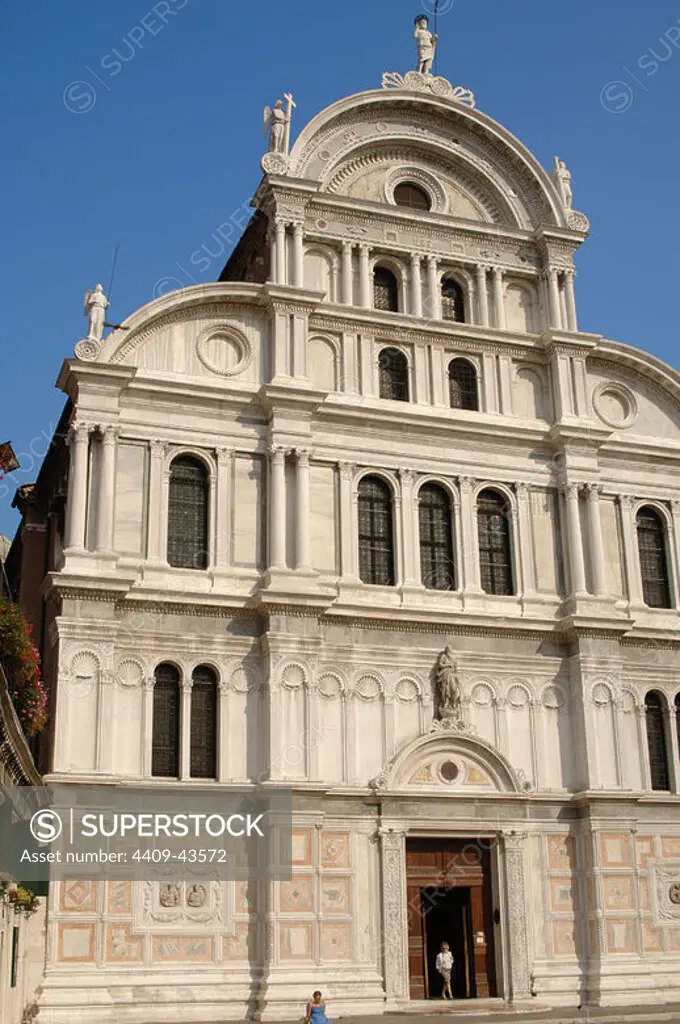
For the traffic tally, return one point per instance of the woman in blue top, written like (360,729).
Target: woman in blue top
(316,1010)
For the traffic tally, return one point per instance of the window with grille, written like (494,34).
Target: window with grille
(385,290)
(656,741)
(653,564)
(188,514)
(437,570)
(408,194)
(376,532)
(453,301)
(493,531)
(393,367)
(462,385)
(203,758)
(166,718)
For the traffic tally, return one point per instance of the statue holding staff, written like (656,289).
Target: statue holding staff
(277,122)
(427,44)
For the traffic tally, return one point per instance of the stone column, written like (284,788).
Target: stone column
(516,893)
(499,298)
(595,539)
(416,286)
(570,297)
(408,536)
(347,276)
(147,724)
(577,567)
(223,733)
(314,731)
(156,513)
(433,290)
(277,508)
(76,510)
(185,731)
(554,299)
(302,524)
(365,290)
(223,508)
(334,295)
(298,255)
(630,550)
(107,489)
(271,240)
(674,560)
(395,923)
(280,243)
(482,296)
(348,566)
(471,574)
(524,560)
(106,713)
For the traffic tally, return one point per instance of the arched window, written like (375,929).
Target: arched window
(656,741)
(188,514)
(653,565)
(385,290)
(493,531)
(462,385)
(393,366)
(166,717)
(203,761)
(453,300)
(408,194)
(437,570)
(376,532)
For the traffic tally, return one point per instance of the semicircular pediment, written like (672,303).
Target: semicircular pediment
(446,130)
(447,761)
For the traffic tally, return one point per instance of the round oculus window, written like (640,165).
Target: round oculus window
(412,196)
(449,771)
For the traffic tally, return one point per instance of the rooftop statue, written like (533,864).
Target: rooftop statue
(277,122)
(96,305)
(561,176)
(427,44)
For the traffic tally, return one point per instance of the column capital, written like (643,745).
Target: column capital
(158,449)
(149,682)
(298,226)
(109,432)
(347,471)
(78,432)
(625,500)
(571,491)
(514,840)
(521,490)
(593,490)
(432,261)
(187,685)
(224,456)
(347,245)
(497,270)
(407,475)
(675,506)
(302,456)
(416,257)
(277,453)
(466,483)
(364,248)
(482,268)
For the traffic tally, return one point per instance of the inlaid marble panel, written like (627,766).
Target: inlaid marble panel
(335,895)
(119,897)
(297,894)
(76,943)
(561,853)
(615,851)
(336,941)
(122,945)
(295,941)
(242,945)
(78,896)
(181,948)
(335,849)
(621,936)
(618,892)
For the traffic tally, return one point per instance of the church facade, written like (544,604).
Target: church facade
(371,517)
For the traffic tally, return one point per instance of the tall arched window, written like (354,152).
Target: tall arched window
(385,290)
(653,564)
(453,300)
(376,532)
(655,705)
(462,385)
(166,718)
(393,367)
(493,531)
(437,570)
(203,760)
(188,514)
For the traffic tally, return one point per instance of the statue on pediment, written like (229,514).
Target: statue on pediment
(561,177)
(427,44)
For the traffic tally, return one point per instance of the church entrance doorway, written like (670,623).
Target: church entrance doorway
(450,900)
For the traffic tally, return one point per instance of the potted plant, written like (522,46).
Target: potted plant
(21,662)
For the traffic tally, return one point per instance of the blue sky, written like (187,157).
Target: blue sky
(120,128)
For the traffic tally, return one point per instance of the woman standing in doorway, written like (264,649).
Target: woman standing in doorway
(444,965)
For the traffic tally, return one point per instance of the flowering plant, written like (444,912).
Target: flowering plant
(23,900)
(21,662)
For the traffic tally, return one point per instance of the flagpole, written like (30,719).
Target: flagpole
(436,25)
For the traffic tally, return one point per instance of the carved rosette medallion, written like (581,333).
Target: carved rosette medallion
(87,350)
(274,163)
(414,81)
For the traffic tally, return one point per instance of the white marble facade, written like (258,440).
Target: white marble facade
(271,379)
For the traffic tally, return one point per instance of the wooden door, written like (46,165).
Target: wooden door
(448,884)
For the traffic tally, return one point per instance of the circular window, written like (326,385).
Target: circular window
(408,194)
(223,350)
(449,771)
